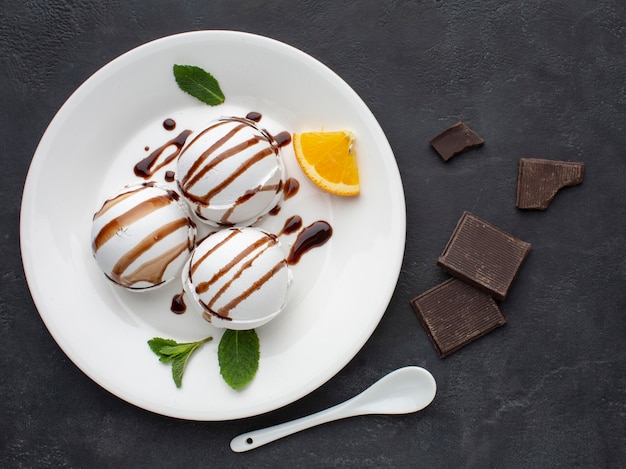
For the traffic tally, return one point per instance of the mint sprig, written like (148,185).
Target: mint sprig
(238,357)
(169,350)
(199,83)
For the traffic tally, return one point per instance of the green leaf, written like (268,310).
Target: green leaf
(174,350)
(169,350)
(156,344)
(178,367)
(238,357)
(199,83)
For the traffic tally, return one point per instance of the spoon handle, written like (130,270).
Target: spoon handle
(256,438)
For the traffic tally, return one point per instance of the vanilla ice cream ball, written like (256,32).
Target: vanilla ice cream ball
(231,172)
(238,278)
(142,236)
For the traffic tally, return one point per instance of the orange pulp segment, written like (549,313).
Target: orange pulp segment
(329,160)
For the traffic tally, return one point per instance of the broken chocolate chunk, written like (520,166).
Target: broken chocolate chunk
(483,255)
(455,314)
(455,140)
(539,181)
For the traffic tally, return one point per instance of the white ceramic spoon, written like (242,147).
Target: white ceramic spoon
(402,391)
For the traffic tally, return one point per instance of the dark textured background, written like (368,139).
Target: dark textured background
(535,78)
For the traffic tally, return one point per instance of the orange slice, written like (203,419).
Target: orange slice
(329,160)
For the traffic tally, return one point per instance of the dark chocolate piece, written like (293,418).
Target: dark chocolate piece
(539,181)
(455,140)
(483,255)
(455,314)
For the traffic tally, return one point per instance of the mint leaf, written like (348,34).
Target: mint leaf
(169,350)
(178,367)
(157,344)
(199,83)
(238,357)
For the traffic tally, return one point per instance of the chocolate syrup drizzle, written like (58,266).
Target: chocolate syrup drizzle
(178,304)
(223,149)
(149,165)
(292,224)
(275,211)
(197,172)
(313,236)
(254,116)
(308,238)
(291,188)
(282,139)
(231,272)
(169,124)
(151,271)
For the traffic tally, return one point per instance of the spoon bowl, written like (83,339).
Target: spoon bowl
(402,391)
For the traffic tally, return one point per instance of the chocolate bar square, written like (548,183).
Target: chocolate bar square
(483,255)
(455,314)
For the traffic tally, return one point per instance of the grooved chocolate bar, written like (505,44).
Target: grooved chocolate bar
(455,140)
(539,181)
(455,314)
(483,255)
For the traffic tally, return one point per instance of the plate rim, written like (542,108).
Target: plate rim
(28,196)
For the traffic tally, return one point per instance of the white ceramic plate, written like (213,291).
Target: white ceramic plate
(341,290)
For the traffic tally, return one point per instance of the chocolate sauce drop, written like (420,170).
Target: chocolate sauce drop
(170,176)
(147,148)
(310,237)
(254,116)
(292,224)
(178,304)
(291,188)
(275,211)
(147,167)
(282,139)
(169,124)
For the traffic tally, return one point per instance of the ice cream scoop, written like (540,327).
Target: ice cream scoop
(231,172)
(142,236)
(238,278)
